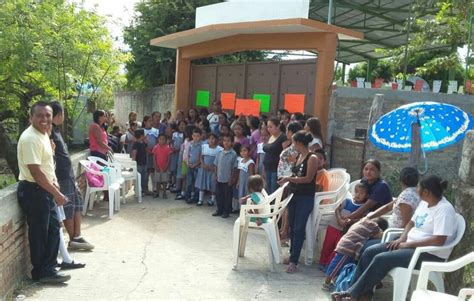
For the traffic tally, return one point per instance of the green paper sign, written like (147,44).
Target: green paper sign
(202,98)
(264,102)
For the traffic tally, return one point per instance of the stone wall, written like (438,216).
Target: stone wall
(344,153)
(350,108)
(14,251)
(143,102)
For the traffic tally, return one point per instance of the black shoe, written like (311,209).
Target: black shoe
(199,203)
(216,214)
(175,190)
(225,215)
(71,265)
(235,211)
(156,195)
(179,197)
(190,202)
(55,278)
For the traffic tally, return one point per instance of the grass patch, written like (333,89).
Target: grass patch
(6,180)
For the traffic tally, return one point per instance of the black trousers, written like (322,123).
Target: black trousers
(43,227)
(224,198)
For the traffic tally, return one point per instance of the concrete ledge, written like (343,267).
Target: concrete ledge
(14,251)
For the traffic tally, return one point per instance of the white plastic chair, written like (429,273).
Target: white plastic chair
(117,167)
(422,293)
(402,276)
(338,191)
(243,225)
(130,173)
(110,185)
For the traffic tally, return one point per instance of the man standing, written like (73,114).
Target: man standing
(37,192)
(67,183)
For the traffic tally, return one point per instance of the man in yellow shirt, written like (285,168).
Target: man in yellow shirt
(38,193)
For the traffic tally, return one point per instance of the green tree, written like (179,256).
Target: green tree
(47,50)
(153,66)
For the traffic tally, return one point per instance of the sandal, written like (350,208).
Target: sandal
(340,296)
(292,268)
(71,265)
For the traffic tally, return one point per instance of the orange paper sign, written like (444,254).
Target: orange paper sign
(294,103)
(418,85)
(468,87)
(228,101)
(247,107)
(378,83)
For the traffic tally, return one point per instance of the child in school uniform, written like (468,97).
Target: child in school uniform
(177,139)
(183,161)
(255,185)
(246,167)
(226,174)
(151,135)
(194,161)
(264,136)
(161,153)
(206,178)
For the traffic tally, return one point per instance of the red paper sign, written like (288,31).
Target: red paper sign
(294,103)
(354,84)
(247,107)
(394,86)
(468,87)
(378,83)
(418,85)
(228,101)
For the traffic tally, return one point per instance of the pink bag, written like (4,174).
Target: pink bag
(94,180)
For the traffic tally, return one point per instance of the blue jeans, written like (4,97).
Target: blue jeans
(375,264)
(191,177)
(299,209)
(141,169)
(43,227)
(271,178)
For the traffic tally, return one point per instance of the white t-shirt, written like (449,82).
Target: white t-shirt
(436,220)
(260,148)
(316,141)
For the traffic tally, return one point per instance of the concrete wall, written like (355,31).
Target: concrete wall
(14,251)
(143,102)
(350,110)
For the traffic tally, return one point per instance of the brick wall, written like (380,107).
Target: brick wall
(143,102)
(350,110)
(14,251)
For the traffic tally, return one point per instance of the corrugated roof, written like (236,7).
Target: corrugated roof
(381,21)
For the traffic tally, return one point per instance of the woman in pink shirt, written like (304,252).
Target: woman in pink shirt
(98,144)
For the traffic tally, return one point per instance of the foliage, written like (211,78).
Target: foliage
(153,66)
(380,69)
(47,50)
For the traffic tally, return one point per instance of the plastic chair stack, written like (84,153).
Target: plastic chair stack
(130,173)
(339,186)
(109,184)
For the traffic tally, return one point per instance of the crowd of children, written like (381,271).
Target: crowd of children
(207,157)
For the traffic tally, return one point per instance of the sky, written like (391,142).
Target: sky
(119,14)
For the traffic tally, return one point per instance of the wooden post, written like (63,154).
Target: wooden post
(376,110)
(182,82)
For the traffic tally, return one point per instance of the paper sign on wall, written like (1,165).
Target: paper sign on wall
(418,85)
(378,83)
(436,86)
(202,98)
(264,102)
(247,107)
(228,101)
(468,86)
(294,103)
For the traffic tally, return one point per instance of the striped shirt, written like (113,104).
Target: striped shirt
(359,233)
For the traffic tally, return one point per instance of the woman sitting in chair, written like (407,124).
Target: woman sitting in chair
(432,224)
(379,191)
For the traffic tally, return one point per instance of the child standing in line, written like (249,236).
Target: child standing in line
(161,153)
(183,161)
(226,173)
(139,154)
(177,139)
(194,161)
(239,136)
(348,248)
(246,167)
(264,136)
(206,177)
(151,135)
(322,177)
(338,223)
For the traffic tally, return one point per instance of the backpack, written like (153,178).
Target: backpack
(344,279)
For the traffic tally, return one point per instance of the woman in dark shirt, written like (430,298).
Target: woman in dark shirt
(303,188)
(272,153)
